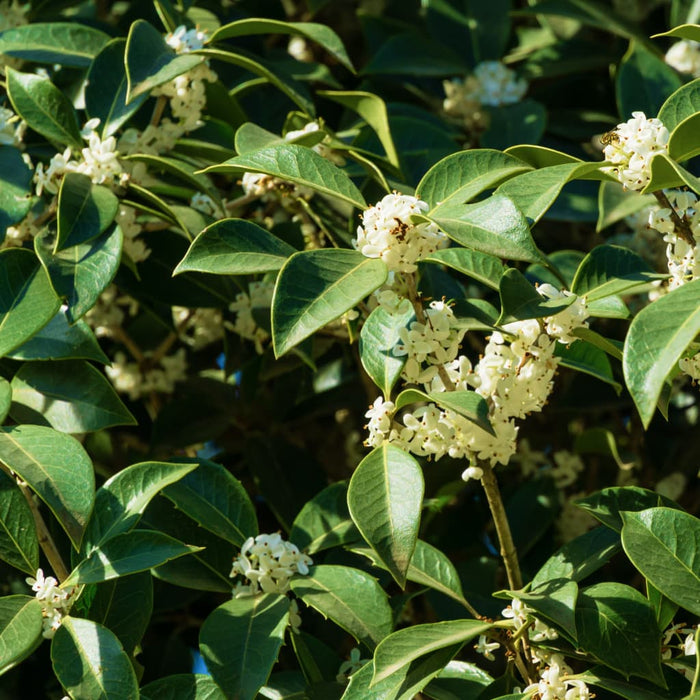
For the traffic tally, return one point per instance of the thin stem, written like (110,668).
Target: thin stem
(162,350)
(681,226)
(505,537)
(48,546)
(158,110)
(121,336)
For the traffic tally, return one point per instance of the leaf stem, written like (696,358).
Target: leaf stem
(681,225)
(158,110)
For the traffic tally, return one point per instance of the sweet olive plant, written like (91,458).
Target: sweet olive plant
(225,231)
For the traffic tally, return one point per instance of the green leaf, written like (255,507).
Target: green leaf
(183,686)
(467,403)
(124,606)
(521,301)
(318,33)
(482,267)
(378,337)
(617,625)
(683,142)
(299,165)
(235,247)
(70,395)
(429,567)
(64,43)
(89,662)
(426,58)
(615,203)
(44,107)
(324,521)
(656,340)
(84,210)
(664,545)
(372,109)
(57,469)
(20,629)
(385,497)
(128,553)
(121,500)
(666,173)
(608,504)
(611,347)
(609,307)
(589,359)
(315,287)
(643,81)
(522,122)
(240,642)
(684,31)
(406,645)
(217,501)
(683,103)
(251,137)
(535,191)
(540,156)
(150,62)
(106,87)
(350,597)
(633,689)
(19,545)
(494,226)
(27,301)
(15,188)
(59,340)
(5,398)
(609,270)
(81,273)
(602,442)
(664,608)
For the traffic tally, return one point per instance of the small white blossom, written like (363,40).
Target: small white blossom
(55,601)
(204,204)
(11,128)
(684,56)
(485,647)
(131,378)
(184,40)
(561,325)
(259,296)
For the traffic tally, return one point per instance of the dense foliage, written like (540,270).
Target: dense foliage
(226,229)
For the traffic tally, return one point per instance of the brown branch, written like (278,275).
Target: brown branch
(682,228)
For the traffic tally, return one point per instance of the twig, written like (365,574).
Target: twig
(158,110)
(121,336)
(681,226)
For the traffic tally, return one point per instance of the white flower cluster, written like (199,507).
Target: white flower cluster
(268,563)
(491,85)
(631,147)
(387,232)
(107,315)
(12,128)
(684,56)
(691,366)
(522,616)
(56,602)
(135,248)
(555,682)
(99,162)
(205,204)
(184,40)
(201,327)
(685,640)
(131,378)
(259,296)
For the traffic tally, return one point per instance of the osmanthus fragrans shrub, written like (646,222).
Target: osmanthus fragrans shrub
(226,231)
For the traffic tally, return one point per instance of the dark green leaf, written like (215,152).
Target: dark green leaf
(482,267)
(19,545)
(602,442)
(15,188)
(555,601)
(666,173)
(522,122)
(589,359)
(615,203)
(20,629)
(5,398)
(183,686)
(70,395)
(683,103)
(426,58)
(89,662)
(634,689)
(240,642)
(521,301)
(385,497)
(57,469)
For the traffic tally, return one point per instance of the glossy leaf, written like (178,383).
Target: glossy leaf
(57,469)
(350,598)
(44,107)
(617,625)
(71,396)
(324,521)
(106,88)
(521,122)
(122,499)
(84,210)
(5,398)
(535,191)
(461,176)
(521,301)
(406,645)
(633,689)
(666,173)
(608,504)
(240,642)
(378,338)
(150,62)
(216,501)
(682,143)
(683,103)
(664,608)
(385,497)
(27,301)
(589,359)
(317,286)
(89,662)
(183,686)
(615,203)
(63,43)
(180,170)
(235,247)
(427,58)
(19,545)
(683,31)
(656,340)
(484,268)
(609,270)
(15,187)
(127,553)
(555,601)
(81,273)
(299,165)
(494,226)
(664,545)
(59,340)
(20,629)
